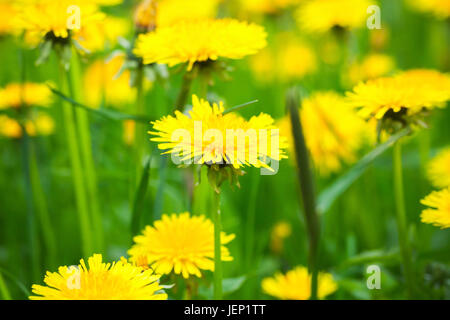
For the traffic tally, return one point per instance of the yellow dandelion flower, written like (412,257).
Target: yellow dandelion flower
(99,34)
(439,8)
(145,15)
(41,125)
(7,13)
(317,16)
(280,231)
(267,6)
(292,59)
(373,66)
(199,41)
(100,82)
(10,128)
(171,12)
(29,94)
(439,212)
(41,17)
(129,132)
(410,92)
(208,136)
(342,132)
(119,280)
(439,169)
(180,243)
(296,285)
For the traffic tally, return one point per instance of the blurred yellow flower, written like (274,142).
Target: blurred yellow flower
(40,125)
(180,243)
(7,15)
(250,150)
(292,59)
(267,6)
(439,169)
(318,16)
(199,41)
(129,132)
(171,12)
(408,92)
(296,285)
(333,131)
(439,212)
(120,280)
(100,35)
(373,66)
(100,83)
(145,15)
(10,128)
(280,231)
(440,8)
(15,95)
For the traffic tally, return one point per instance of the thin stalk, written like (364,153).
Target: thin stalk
(5,295)
(43,215)
(250,228)
(405,249)
(305,177)
(33,239)
(85,144)
(218,274)
(185,90)
(140,133)
(424,147)
(77,173)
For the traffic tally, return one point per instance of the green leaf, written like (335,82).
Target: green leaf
(329,195)
(139,199)
(235,108)
(229,286)
(4,292)
(14,279)
(105,113)
(373,256)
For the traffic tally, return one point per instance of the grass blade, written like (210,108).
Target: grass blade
(139,199)
(329,195)
(4,292)
(105,113)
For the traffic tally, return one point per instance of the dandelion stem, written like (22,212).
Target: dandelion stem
(140,133)
(307,188)
(32,234)
(75,159)
(185,90)
(217,247)
(4,289)
(405,248)
(42,209)
(86,151)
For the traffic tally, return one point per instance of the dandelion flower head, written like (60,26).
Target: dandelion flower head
(439,169)
(252,150)
(180,243)
(296,285)
(97,280)
(199,41)
(318,16)
(14,95)
(438,213)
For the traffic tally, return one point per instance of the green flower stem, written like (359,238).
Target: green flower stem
(77,171)
(405,249)
(85,144)
(424,147)
(33,239)
(217,247)
(186,85)
(43,215)
(250,229)
(5,295)
(140,132)
(307,189)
